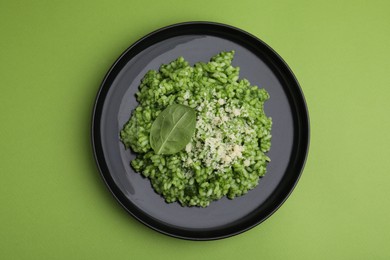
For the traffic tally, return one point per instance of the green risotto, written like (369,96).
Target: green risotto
(200,132)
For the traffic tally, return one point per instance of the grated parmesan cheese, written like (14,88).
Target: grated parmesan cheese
(216,142)
(221,101)
(236,111)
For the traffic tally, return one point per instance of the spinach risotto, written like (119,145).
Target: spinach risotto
(200,132)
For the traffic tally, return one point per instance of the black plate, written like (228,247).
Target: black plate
(199,41)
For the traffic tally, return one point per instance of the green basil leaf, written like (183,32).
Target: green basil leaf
(173,129)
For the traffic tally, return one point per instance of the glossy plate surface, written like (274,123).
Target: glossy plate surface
(199,41)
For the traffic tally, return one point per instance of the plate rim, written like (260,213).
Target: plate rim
(96,134)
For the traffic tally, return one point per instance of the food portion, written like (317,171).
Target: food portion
(200,132)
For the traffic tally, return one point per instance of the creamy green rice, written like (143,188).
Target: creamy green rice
(226,155)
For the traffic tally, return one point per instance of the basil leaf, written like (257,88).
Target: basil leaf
(173,129)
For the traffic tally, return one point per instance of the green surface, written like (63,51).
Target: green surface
(53,56)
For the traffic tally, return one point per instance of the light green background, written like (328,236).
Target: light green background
(53,56)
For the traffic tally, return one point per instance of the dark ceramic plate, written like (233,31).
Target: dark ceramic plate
(199,41)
